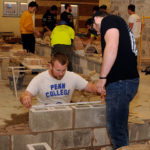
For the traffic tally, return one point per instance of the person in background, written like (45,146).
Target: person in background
(61,41)
(27,28)
(92,33)
(56,85)
(119,78)
(49,19)
(95,9)
(67,16)
(135,25)
(103,8)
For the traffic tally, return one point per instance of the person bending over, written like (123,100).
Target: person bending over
(55,85)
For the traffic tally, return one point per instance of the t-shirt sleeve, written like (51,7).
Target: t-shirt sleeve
(80,83)
(33,86)
(108,24)
(131,19)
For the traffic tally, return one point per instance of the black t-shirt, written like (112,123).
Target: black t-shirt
(49,20)
(125,66)
(68,18)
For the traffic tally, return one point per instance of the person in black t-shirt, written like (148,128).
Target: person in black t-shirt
(49,19)
(67,16)
(119,78)
(92,33)
(103,8)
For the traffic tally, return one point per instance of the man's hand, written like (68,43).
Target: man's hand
(101,86)
(25,99)
(37,33)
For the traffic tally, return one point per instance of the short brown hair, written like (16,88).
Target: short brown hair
(100,14)
(62,58)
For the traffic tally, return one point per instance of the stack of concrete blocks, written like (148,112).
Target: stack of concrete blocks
(43,50)
(38,146)
(83,64)
(4,67)
(80,127)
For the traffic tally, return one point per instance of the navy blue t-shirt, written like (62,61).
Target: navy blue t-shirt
(49,20)
(68,18)
(125,66)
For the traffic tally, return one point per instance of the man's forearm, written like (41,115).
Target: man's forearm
(47,28)
(108,61)
(91,88)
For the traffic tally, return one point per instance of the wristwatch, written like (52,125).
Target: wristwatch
(102,77)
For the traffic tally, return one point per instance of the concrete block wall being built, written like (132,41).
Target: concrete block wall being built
(75,127)
(38,146)
(83,64)
(80,63)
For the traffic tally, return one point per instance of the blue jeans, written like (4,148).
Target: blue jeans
(118,96)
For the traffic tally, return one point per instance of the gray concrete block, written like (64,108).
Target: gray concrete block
(90,116)
(47,51)
(76,59)
(72,139)
(109,148)
(139,132)
(91,65)
(74,67)
(83,62)
(38,146)
(97,67)
(19,142)
(50,118)
(86,71)
(4,142)
(100,136)
(133,132)
(80,70)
